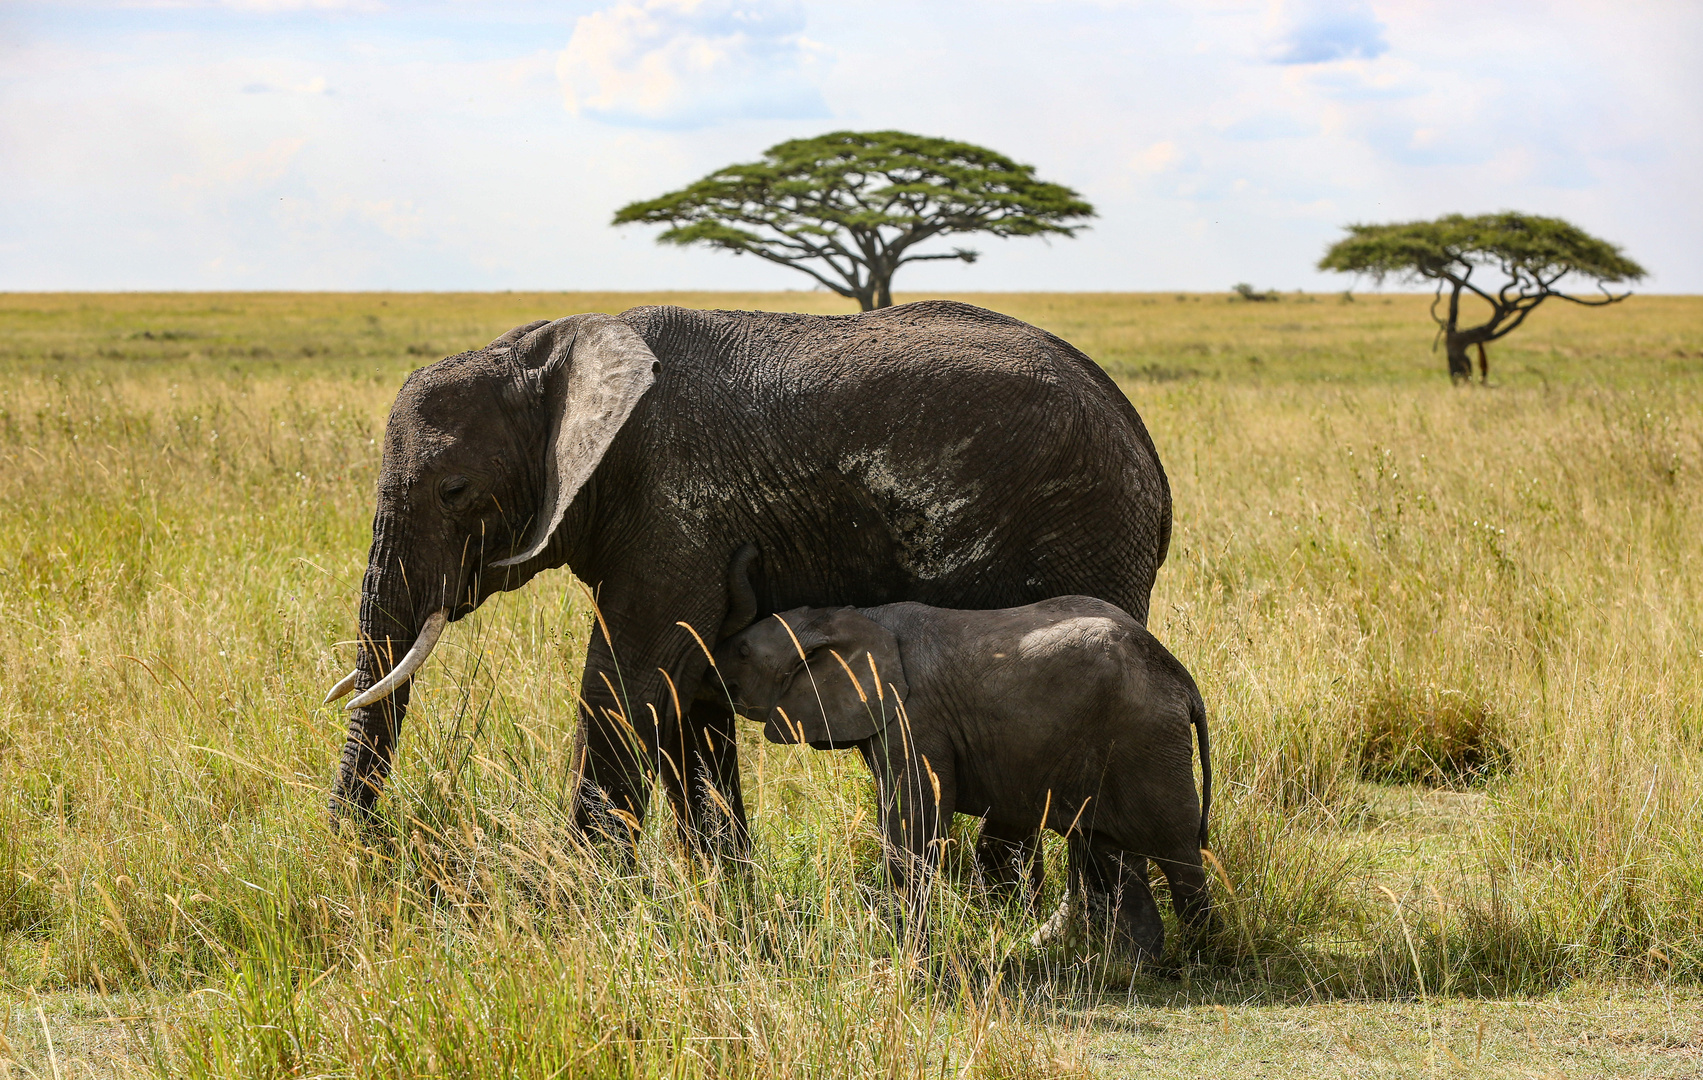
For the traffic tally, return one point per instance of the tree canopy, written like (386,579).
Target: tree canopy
(848,208)
(1532,254)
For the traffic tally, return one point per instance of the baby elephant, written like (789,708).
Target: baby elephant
(1065,714)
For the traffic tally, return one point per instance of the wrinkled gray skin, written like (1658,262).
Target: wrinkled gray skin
(933,451)
(1066,713)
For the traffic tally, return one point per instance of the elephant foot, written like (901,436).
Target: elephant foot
(1091,923)
(1065,931)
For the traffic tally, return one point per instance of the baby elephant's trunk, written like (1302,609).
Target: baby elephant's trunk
(1197,716)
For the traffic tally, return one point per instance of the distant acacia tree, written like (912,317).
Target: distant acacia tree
(1532,254)
(848,208)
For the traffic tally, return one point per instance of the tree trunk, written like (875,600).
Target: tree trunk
(1454,342)
(1460,364)
(884,291)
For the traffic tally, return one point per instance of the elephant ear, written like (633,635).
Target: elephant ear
(846,688)
(592,369)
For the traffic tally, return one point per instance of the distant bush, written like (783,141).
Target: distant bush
(1428,736)
(1252,295)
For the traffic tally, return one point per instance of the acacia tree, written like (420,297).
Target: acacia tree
(848,208)
(1531,253)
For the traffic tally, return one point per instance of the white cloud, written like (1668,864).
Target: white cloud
(1320,31)
(398,218)
(1262,127)
(250,170)
(439,154)
(1156,158)
(258,6)
(312,86)
(691,63)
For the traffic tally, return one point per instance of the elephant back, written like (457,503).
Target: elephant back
(968,458)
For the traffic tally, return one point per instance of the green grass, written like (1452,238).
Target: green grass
(1449,640)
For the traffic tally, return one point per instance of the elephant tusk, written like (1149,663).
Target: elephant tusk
(344,685)
(405,669)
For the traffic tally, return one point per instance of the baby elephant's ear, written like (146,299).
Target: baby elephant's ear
(848,688)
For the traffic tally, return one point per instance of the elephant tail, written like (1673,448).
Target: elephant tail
(1197,716)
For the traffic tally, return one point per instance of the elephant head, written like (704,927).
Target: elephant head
(484,454)
(827,677)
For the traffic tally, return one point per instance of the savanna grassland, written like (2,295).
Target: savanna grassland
(1451,642)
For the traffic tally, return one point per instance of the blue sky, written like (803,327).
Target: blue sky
(368,144)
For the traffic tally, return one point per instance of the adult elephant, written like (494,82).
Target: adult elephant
(934,452)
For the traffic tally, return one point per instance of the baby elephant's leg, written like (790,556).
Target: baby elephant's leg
(1119,902)
(1008,857)
(1187,877)
(916,795)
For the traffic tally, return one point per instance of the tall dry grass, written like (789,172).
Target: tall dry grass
(1376,578)
(1494,589)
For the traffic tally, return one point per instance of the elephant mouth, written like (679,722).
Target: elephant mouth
(424,642)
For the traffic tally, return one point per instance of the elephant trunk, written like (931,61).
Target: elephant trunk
(418,653)
(390,630)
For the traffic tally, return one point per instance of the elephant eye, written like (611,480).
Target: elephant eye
(744,650)
(453,488)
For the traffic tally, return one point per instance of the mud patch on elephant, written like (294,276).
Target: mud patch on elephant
(921,511)
(1094,633)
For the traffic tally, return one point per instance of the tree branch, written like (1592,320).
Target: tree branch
(961,253)
(1515,325)
(1486,297)
(841,289)
(1607,297)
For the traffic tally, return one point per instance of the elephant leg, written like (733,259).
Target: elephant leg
(708,801)
(917,798)
(1115,893)
(901,854)
(1189,896)
(1008,858)
(635,735)
(611,753)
